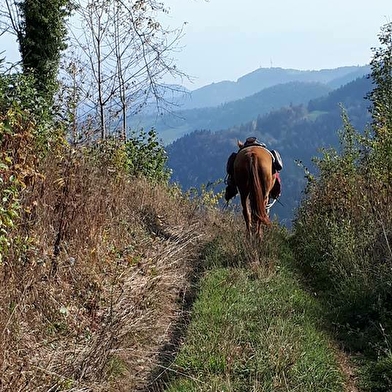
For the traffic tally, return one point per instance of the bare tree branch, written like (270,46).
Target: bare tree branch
(126,52)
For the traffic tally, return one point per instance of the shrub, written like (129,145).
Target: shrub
(343,229)
(18,170)
(146,156)
(27,134)
(140,156)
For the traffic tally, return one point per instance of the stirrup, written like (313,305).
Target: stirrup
(269,205)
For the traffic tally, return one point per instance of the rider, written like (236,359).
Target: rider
(231,188)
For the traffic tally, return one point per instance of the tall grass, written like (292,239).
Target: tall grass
(94,278)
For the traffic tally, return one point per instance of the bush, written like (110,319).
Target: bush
(140,156)
(343,229)
(27,134)
(146,156)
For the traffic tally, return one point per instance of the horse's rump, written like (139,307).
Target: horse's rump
(253,177)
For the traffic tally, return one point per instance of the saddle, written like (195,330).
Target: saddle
(277,162)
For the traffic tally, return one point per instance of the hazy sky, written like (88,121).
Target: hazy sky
(225,39)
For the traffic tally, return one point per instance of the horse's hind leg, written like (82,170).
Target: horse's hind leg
(246,212)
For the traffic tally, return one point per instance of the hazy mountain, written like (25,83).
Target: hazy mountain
(220,105)
(173,126)
(349,77)
(297,132)
(218,93)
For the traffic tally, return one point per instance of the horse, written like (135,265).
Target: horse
(253,175)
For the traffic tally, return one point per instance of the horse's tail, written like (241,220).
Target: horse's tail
(257,192)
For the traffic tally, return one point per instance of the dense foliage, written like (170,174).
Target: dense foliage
(343,229)
(141,155)
(30,136)
(87,262)
(26,136)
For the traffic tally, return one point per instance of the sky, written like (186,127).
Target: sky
(226,39)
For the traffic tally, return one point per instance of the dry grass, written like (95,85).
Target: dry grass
(91,296)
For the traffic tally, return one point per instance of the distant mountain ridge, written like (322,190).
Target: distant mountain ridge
(224,104)
(218,93)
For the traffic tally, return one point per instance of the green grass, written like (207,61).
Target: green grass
(254,334)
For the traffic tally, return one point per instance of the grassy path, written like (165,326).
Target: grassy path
(254,330)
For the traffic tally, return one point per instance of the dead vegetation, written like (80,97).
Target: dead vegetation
(94,278)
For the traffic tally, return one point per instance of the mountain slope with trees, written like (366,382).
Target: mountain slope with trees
(297,132)
(174,125)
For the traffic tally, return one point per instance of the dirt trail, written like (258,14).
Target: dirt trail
(348,369)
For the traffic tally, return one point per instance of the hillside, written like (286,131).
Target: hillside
(92,274)
(103,301)
(115,281)
(172,126)
(297,132)
(225,104)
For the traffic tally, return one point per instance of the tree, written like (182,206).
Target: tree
(41,32)
(380,162)
(381,95)
(126,52)
(41,35)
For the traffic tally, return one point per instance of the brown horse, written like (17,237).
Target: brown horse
(254,179)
